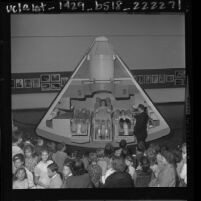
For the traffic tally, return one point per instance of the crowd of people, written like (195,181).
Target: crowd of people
(41,164)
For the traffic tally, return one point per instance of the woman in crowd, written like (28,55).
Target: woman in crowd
(167,172)
(42,179)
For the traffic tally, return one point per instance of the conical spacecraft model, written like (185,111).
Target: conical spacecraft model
(98,103)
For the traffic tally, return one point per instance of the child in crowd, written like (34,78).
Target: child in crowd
(55,179)
(182,168)
(40,144)
(85,160)
(16,141)
(122,145)
(66,171)
(95,173)
(130,165)
(20,179)
(51,147)
(30,160)
(18,161)
(151,155)
(108,154)
(42,179)
(100,160)
(60,156)
(143,175)
(140,152)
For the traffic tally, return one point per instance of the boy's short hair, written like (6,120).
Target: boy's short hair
(18,157)
(53,167)
(60,146)
(16,135)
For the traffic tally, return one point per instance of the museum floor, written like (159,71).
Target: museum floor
(28,120)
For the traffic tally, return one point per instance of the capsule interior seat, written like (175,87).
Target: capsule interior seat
(77,117)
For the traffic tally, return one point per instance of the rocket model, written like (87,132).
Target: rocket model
(101,89)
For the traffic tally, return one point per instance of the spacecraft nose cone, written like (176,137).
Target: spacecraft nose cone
(101,47)
(101,39)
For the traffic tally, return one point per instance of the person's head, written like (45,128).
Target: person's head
(77,167)
(86,154)
(118,163)
(100,153)
(44,154)
(129,160)
(164,158)
(93,158)
(124,153)
(18,160)
(60,147)
(40,141)
(177,155)
(141,108)
(28,150)
(156,147)
(140,147)
(52,169)
(151,155)
(20,174)
(17,137)
(122,144)
(169,157)
(109,150)
(145,164)
(67,167)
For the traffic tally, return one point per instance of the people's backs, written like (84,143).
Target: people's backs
(143,178)
(79,181)
(119,180)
